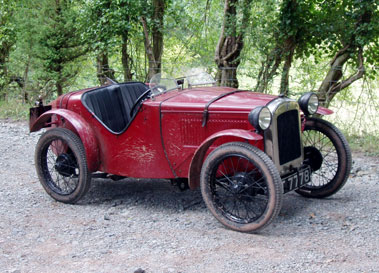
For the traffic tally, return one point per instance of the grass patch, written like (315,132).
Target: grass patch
(368,144)
(14,110)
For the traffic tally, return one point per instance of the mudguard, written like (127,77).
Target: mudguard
(198,158)
(67,119)
(324,111)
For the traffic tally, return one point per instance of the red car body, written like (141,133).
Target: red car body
(166,138)
(175,133)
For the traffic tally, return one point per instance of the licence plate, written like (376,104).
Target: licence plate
(297,179)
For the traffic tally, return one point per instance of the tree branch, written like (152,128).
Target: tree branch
(359,74)
(339,53)
(230,54)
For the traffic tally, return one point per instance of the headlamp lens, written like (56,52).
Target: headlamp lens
(260,118)
(309,103)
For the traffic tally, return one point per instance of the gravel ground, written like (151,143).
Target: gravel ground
(148,225)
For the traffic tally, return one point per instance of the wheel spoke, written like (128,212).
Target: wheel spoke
(62,176)
(238,163)
(241,195)
(230,181)
(330,149)
(231,161)
(255,185)
(225,169)
(223,185)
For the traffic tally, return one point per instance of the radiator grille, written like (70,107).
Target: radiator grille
(289,136)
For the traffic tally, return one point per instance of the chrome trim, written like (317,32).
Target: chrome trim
(278,107)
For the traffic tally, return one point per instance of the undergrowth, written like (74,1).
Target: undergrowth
(368,144)
(14,110)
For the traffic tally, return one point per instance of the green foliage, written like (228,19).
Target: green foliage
(14,110)
(104,21)
(7,40)
(59,42)
(336,24)
(7,26)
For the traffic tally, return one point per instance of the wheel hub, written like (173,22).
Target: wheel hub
(313,157)
(240,182)
(65,165)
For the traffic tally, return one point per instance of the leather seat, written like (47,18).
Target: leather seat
(130,92)
(111,105)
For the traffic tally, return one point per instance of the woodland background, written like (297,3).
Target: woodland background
(331,47)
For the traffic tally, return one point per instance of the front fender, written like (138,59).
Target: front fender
(324,111)
(198,158)
(76,124)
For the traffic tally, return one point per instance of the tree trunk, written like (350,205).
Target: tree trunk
(154,47)
(230,43)
(148,50)
(229,76)
(59,88)
(269,69)
(126,60)
(157,33)
(103,69)
(25,80)
(290,50)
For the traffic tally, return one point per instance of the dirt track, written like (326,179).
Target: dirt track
(150,225)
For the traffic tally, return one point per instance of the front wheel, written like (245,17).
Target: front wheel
(241,187)
(62,166)
(327,152)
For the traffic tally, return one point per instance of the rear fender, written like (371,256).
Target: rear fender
(67,119)
(199,156)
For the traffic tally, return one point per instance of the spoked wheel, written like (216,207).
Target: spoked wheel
(61,165)
(241,187)
(327,152)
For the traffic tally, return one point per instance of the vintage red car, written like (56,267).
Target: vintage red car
(243,149)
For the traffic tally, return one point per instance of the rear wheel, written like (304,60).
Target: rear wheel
(241,187)
(327,152)
(61,165)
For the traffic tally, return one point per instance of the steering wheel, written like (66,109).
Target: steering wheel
(140,98)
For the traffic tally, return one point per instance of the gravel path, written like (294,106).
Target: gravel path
(146,225)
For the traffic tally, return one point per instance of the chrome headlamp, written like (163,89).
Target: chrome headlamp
(260,118)
(309,103)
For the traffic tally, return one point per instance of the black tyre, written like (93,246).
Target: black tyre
(241,186)
(328,153)
(62,166)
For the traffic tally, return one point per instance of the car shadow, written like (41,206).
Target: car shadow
(295,205)
(149,193)
(160,195)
